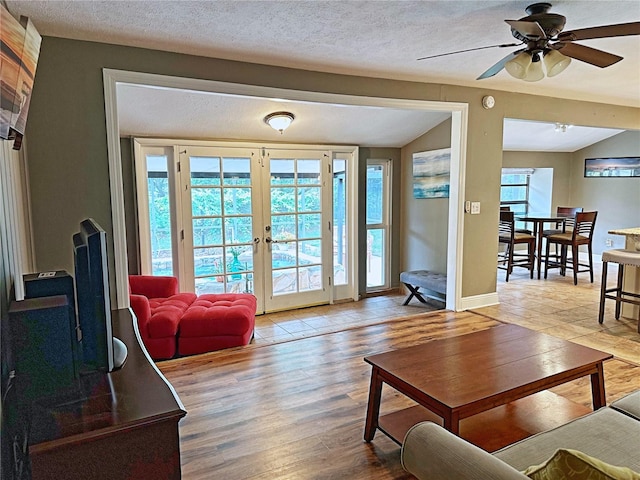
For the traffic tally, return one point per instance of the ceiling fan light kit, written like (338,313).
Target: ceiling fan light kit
(541,35)
(555,62)
(534,72)
(528,67)
(518,67)
(279,121)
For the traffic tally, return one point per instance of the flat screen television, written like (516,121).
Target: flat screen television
(100,349)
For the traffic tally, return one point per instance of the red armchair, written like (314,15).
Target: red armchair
(158,306)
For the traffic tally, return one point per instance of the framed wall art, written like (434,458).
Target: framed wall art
(616,167)
(20,51)
(431,173)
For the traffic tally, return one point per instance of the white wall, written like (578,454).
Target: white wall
(540,190)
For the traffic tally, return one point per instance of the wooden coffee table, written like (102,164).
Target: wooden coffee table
(484,385)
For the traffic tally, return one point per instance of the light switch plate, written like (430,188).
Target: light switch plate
(475,208)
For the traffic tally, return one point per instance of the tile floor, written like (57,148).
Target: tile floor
(554,306)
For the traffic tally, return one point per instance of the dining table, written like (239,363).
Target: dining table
(538,220)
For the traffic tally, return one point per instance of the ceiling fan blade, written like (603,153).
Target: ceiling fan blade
(587,54)
(493,70)
(471,50)
(619,30)
(527,29)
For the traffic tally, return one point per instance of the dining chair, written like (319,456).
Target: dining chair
(567,225)
(518,230)
(581,234)
(570,214)
(508,236)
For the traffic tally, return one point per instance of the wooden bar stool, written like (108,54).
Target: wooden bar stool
(622,258)
(508,236)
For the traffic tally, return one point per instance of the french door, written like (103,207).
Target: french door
(218,218)
(296,228)
(250,220)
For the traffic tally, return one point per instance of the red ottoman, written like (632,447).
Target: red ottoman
(217,321)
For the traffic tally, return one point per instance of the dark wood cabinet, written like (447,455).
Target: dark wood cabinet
(126,427)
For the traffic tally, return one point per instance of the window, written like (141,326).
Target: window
(378,224)
(514,190)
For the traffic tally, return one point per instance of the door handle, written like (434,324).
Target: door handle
(256,240)
(269,240)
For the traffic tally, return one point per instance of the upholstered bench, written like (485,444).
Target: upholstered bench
(434,285)
(216,321)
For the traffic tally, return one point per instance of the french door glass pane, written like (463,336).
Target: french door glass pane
(237,171)
(207,231)
(205,171)
(309,278)
(309,225)
(159,215)
(375,257)
(208,261)
(283,227)
(283,200)
(205,201)
(309,252)
(308,172)
(284,281)
(237,201)
(284,255)
(282,172)
(238,229)
(309,199)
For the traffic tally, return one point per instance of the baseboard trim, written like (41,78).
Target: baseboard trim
(478,301)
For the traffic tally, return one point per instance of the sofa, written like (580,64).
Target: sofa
(173,323)
(607,440)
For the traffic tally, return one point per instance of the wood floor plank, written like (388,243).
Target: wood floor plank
(296,410)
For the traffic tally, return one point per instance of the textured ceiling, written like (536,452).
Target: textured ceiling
(375,38)
(172,113)
(520,135)
(175,113)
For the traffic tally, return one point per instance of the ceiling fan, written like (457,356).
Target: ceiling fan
(544,42)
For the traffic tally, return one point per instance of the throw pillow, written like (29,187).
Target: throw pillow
(567,464)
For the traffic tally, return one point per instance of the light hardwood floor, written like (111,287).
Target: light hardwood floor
(292,404)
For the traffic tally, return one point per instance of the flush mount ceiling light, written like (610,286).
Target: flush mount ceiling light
(562,127)
(279,121)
